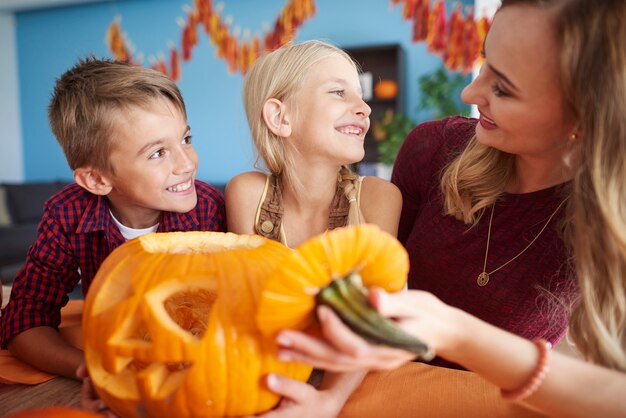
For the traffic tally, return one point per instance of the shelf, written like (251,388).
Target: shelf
(384,62)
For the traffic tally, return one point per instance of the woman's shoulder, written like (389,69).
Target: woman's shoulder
(431,145)
(451,130)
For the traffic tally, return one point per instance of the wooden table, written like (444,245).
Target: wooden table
(58,391)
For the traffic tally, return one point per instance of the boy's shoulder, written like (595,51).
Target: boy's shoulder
(71,195)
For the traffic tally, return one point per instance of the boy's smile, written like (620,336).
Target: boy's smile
(154,165)
(181,187)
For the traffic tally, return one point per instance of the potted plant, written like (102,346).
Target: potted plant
(390,132)
(440,91)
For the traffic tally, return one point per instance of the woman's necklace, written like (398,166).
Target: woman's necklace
(483,278)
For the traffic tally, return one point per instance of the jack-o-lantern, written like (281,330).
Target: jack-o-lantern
(169,326)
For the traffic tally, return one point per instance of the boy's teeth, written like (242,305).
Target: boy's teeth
(180,187)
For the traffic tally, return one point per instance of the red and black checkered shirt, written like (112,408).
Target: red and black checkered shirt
(75,235)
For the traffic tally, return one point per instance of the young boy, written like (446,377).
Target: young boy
(124,132)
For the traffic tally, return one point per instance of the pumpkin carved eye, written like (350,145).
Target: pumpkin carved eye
(169,326)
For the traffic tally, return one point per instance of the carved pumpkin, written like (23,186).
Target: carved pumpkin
(289,297)
(386,89)
(169,326)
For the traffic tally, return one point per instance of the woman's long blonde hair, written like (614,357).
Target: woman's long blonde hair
(593,39)
(593,71)
(279,75)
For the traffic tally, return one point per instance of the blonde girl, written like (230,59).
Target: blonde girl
(308,123)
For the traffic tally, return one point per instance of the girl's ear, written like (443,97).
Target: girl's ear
(92,180)
(276,118)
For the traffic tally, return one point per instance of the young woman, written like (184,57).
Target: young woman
(308,123)
(589,38)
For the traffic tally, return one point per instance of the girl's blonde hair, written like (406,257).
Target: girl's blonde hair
(279,75)
(593,62)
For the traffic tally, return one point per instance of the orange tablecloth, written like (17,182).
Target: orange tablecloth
(420,390)
(13,370)
(413,390)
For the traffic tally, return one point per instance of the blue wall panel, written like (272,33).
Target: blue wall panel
(50,41)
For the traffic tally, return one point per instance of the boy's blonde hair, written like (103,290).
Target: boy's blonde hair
(87,99)
(279,75)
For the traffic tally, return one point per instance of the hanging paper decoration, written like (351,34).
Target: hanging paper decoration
(239,54)
(472,42)
(116,42)
(457,39)
(421,12)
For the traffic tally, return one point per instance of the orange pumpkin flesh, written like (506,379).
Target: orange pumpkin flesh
(169,326)
(288,300)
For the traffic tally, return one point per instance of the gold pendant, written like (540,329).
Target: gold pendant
(483,279)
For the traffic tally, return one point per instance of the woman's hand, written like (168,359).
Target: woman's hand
(416,312)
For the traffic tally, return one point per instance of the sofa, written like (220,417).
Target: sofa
(21,209)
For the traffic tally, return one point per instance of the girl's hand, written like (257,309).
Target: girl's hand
(300,399)
(89,399)
(416,312)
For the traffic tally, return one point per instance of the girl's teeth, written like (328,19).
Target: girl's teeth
(350,131)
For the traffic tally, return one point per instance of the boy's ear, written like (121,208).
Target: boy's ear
(276,118)
(92,180)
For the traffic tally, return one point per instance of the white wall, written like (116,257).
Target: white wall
(489,8)
(11,158)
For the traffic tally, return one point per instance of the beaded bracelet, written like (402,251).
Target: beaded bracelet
(536,378)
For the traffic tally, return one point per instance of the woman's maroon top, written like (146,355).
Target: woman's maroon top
(447,255)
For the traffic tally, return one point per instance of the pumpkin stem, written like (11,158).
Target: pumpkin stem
(348,298)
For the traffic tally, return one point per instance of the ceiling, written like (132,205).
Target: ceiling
(10,6)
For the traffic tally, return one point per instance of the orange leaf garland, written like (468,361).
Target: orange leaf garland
(458,39)
(227,44)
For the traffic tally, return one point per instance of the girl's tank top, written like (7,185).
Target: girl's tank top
(269,214)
